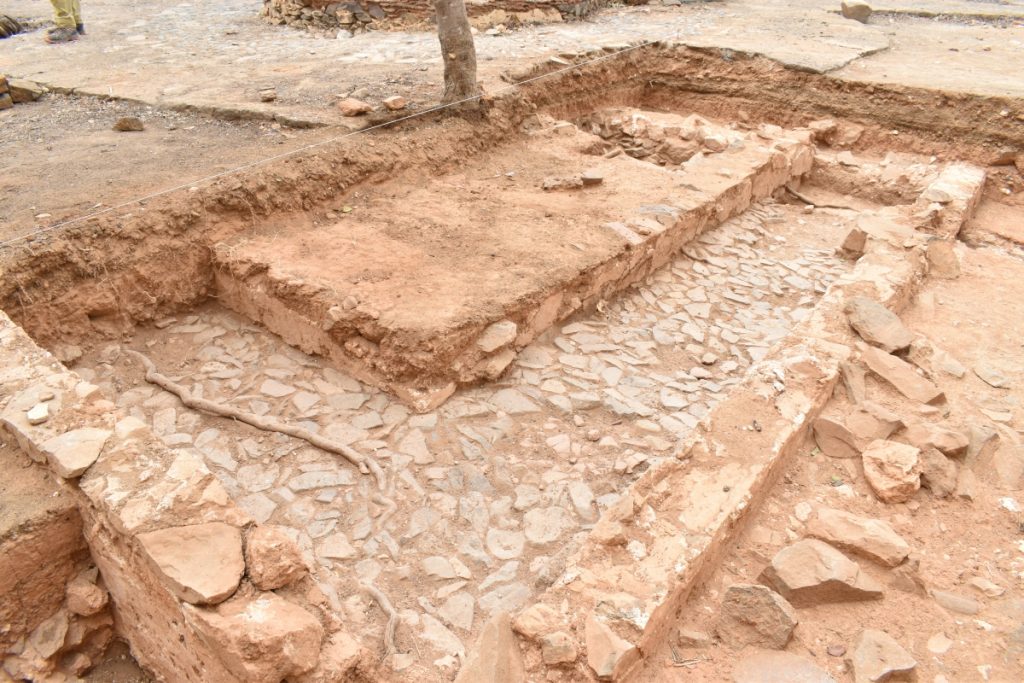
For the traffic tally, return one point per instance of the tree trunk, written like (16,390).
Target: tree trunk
(457,50)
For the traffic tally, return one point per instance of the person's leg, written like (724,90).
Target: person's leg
(77,7)
(64,17)
(64,13)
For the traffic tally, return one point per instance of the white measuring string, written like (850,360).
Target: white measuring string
(305,148)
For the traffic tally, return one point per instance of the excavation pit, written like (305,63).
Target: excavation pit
(518,362)
(497,488)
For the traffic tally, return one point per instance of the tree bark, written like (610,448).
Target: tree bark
(457,50)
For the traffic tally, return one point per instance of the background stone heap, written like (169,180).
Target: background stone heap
(367,14)
(16,91)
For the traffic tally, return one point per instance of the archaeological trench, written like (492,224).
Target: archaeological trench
(487,396)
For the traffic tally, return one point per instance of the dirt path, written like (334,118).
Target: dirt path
(66,160)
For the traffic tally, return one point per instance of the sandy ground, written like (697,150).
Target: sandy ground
(215,58)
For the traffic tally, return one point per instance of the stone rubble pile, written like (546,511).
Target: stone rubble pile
(71,641)
(898,459)
(357,16)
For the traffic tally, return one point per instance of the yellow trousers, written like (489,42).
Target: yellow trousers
(66,13)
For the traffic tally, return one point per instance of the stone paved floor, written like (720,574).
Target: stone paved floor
(493,487)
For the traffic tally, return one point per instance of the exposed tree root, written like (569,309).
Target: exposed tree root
(268,424)
(390,647)
(810,202)
(385,498)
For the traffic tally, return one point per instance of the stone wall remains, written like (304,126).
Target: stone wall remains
(54,615)
(197,589)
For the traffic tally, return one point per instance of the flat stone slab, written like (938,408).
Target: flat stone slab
(420,285)
(767,666)
(901,375)
(202,563)
(71,453)
(872,538)
(811,572)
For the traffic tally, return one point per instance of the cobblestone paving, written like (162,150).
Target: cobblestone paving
(496,487)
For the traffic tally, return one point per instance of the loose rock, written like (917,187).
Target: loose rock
(925,435)
(854,244)
(893,470)
(353,107)
(871,538)
(877,325)
(991,374)
(24,91)
(811,572)
(496,657)
(536,620)
(755,615)
(558,648)
(768,666)
(38,414)
(902,376)
(872,422)
(938,473)
(554,183)
(272,559)
(604,648)
(858,11)
(496,335)
(129,124)
(72,453)
(956,603)
(878,657)
(84,597)
(395,103)
(942,260)
(834,439)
